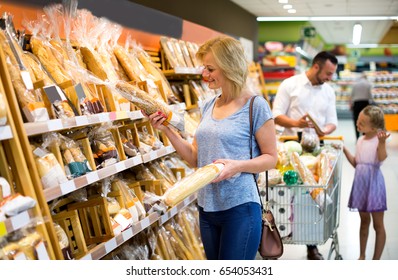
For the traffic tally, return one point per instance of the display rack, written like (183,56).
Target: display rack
(12,158)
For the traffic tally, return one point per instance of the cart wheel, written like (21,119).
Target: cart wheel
(338,258)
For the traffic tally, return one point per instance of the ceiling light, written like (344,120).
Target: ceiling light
(291,11)
(283,1)
(329,18)
(288,6)
(356,34)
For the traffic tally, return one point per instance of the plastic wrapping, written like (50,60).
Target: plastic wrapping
(309,140)
(103,146)
(191,183)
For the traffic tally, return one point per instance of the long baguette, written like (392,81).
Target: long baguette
(191,183)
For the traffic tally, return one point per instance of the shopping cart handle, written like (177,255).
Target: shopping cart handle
(327,137)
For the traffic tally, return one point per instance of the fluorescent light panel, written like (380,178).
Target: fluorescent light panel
(356,34)
(337,18)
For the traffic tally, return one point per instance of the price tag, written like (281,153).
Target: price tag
(20,220)
(81,120)
(68,187)
(110,245)
(120,166)
(80,92)
(54,93)
(92,177)
(145,223)
(3,229)
(54,125)
(104,117)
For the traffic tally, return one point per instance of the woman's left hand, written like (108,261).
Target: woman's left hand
(231,168)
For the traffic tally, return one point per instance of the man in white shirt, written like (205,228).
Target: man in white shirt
(308,94)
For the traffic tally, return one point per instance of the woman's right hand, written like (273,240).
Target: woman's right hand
(156,120)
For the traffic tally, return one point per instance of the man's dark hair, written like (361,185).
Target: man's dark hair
(322,57)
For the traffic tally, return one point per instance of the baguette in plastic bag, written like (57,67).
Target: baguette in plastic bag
(192,183)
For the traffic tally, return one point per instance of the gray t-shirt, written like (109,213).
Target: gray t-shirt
(229,139)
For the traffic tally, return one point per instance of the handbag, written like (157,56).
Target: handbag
(271,246)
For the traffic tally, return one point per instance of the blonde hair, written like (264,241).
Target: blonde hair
(230,57)
(376,116)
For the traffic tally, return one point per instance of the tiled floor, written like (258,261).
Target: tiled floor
(348,229)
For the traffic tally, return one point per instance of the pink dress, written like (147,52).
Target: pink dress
(368,193)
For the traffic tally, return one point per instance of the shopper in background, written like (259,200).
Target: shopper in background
(229,207)
(308,93)
(368,193)
(361,96)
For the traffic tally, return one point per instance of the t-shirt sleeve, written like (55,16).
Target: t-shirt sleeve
(261,113)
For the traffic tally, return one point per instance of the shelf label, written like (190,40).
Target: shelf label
(81,120)
(20,220)
(55,125)
(110,245)
(92,177)
(3,229)
(67,187)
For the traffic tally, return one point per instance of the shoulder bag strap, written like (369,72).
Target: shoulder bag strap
(251,154)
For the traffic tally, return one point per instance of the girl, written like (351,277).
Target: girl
(368,193)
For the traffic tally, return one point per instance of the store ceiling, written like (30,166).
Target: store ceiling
(336,32)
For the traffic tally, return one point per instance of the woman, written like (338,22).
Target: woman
(229,207)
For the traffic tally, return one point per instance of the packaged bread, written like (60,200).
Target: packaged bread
(42,50)
(12,251)
(31,105)
(192,183)
(124,59)
(149,104)
(324,168)
(29,244)
(50,171)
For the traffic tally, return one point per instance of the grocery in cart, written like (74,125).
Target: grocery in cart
(304,192)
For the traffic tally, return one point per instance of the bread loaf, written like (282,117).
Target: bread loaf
(191,183)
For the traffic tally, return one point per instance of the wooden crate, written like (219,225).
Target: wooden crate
(153,186)
(70,223)
(95,219)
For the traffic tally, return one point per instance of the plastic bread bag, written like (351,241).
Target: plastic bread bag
(317,194)
(142,172)
(181,249)
(63,241)
(103,145)
(131,202)
(182,229)
(154,204)
(149,139)
(29,102)
(309,140)
(149,104)
(50,171)
(192,183)
(16,203)
(188,225)
(75,161)
(128,146)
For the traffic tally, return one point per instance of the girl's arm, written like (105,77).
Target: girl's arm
(349,156)
(266,139)
(381,148)
(187,151)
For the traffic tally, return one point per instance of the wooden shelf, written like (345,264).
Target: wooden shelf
(90,178)
(106,247)
(60,124)
(16,222)
(94,176)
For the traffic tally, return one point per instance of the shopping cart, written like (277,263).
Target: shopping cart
(300,219)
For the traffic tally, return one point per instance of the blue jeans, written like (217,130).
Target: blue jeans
(233,234)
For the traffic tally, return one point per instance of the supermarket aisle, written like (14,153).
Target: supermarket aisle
(348,229)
